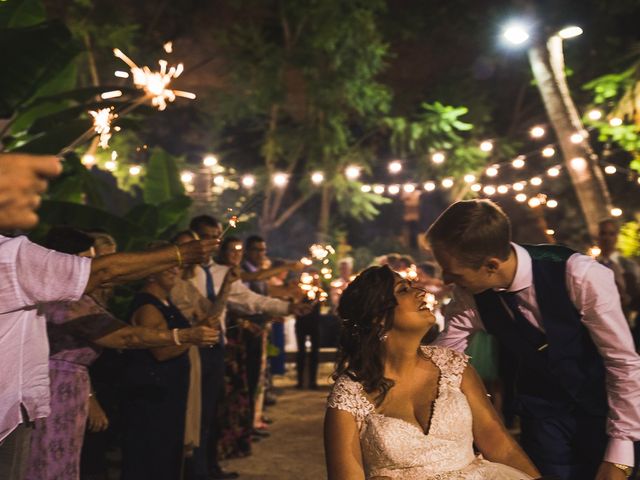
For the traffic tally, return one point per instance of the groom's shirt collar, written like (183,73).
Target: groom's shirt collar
(524,270)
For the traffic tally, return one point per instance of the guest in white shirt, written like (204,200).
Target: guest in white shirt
(30,276)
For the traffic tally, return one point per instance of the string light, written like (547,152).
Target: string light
(409,188)
(518,162)
(576,138)
(536,181)
(395,167)
(365,188)
(579,164)
(352,172)
(534,202)
(550,231)
(616,212)
(548,152)
(394,189)
(594,115)
(280,180)
(553,172)
(521,197)
(552,204)
(610,169)
(248,181)
(519,186)
(502,189)
(447,182)
(210,161)
(111,165)
(615,122)
(486,146)
(135,170)
(469,178)
(438,158)
(186,177)
(492,171)
(515,34)
(429,186)
(218,180)
(476,187)
(537,132)
(317,178)
(378,189)
(489,190)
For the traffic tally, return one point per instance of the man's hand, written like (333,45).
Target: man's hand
(198,251)
(300,309)
(23,179)
(296,266)
(608,471)
(201,335)
(232,275)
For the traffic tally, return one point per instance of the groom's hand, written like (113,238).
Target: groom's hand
(608,471)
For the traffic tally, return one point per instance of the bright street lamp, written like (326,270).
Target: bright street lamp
(516,33)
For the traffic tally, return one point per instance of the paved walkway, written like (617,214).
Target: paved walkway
(294,450)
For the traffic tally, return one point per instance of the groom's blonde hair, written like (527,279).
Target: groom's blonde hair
(472,231)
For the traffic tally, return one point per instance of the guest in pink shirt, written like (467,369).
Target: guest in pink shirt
(29,277)
(559,313)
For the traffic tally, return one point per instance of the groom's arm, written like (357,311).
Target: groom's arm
(461,320)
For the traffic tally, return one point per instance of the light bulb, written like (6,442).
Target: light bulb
(594,114)
(352,172)
(553,172)
(518,187)
(515,34)
(534,202)
(210,161)
(186,177)
(548,152)
(317,178)
(570,32)
(576,138)
(280,179)
(248,181)
(438,158)
(616,212)
(429,186)
(521,197)
(88,160)
(447,182)
(579,164)
(486,146)
(552,203)
(489,190)
(395,167)
(492,171)
(610,169)
(550,231)
(469,178)
(394,189)
(365,188)
(135,170)
(378,189)
(537,132)
(476,187)
(615,122)
(518,162)
(409,188)
(218,180)
(536,181)
(502,189)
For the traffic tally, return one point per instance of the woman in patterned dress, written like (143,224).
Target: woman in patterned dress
(399,410)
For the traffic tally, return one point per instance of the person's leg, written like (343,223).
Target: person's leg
(14,452)
(200,465)
(571,448)
(301,353)
(314,335)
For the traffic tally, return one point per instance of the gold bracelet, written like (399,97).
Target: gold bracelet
(626,469)
(179,255)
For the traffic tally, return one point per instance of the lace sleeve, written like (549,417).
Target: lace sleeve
(450,362)
(346,395)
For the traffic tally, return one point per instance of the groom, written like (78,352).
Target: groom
(559,313)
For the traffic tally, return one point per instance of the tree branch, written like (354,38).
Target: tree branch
(291,210)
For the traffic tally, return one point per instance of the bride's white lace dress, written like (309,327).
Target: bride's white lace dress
(394,448)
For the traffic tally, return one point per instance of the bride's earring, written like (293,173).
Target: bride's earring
(383,336)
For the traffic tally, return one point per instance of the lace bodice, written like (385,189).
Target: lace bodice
(394,448)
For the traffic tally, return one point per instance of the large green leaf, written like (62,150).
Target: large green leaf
(162,181)
(21,13)
(56,139)
(34,55)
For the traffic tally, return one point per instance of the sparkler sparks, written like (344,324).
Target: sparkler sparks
(102,124)
(155,83)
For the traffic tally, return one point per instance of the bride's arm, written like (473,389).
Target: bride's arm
(489,434)
(342,446)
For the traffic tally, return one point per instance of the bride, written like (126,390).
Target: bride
(401,411)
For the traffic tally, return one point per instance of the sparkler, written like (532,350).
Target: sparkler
(155,83)
(312,291)
(102,124)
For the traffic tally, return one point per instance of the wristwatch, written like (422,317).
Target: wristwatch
(626,469)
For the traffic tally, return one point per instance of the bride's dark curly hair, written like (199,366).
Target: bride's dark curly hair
(366,310)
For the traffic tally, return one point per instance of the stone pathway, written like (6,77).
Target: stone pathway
(295,449)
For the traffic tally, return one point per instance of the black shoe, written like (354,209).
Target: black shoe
(260,433)
(267,420)
(219,473)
